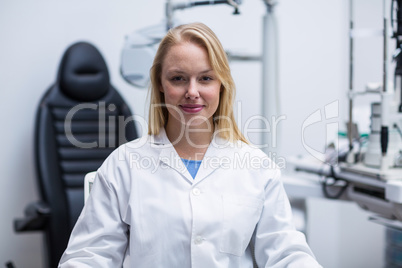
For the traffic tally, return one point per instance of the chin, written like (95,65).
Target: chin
(197,123)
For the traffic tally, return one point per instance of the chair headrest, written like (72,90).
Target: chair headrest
(83,74)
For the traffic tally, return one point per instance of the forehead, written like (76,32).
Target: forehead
(185,53)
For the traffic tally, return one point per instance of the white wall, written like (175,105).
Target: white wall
(34,34)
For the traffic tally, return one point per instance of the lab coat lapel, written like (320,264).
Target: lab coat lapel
(213,158)
(169,156)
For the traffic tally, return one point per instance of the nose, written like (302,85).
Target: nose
(192,91)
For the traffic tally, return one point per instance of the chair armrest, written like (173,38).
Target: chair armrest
(36,215)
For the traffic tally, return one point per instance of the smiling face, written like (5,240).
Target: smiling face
(190,86)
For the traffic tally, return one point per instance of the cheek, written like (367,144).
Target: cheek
(213,96)
(168,92)
(171,96)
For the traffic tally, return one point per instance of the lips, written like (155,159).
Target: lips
(191,108)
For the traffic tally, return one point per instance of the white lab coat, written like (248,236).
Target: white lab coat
(145,203)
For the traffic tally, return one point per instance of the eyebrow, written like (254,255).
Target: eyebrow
(182,72)
(207,71)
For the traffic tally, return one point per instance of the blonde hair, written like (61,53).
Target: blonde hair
(201,35)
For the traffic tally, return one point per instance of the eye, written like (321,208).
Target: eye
(177,78)
(206,78)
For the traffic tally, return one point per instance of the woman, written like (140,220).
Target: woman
(192,193)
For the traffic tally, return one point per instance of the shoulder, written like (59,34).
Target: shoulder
(240,155)
(140,147)
(122,162)
(254,153)
(260,164)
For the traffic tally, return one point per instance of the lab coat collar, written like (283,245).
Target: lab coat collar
(216,151)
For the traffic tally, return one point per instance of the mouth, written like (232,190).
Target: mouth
(191,108)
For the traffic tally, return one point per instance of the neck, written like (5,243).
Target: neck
(190,142)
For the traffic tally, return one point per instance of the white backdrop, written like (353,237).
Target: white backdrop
(313,68)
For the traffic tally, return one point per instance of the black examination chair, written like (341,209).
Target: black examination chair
(81,119)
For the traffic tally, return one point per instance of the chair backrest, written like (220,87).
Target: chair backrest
(80,121)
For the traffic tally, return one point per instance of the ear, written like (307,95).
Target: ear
(161,88)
